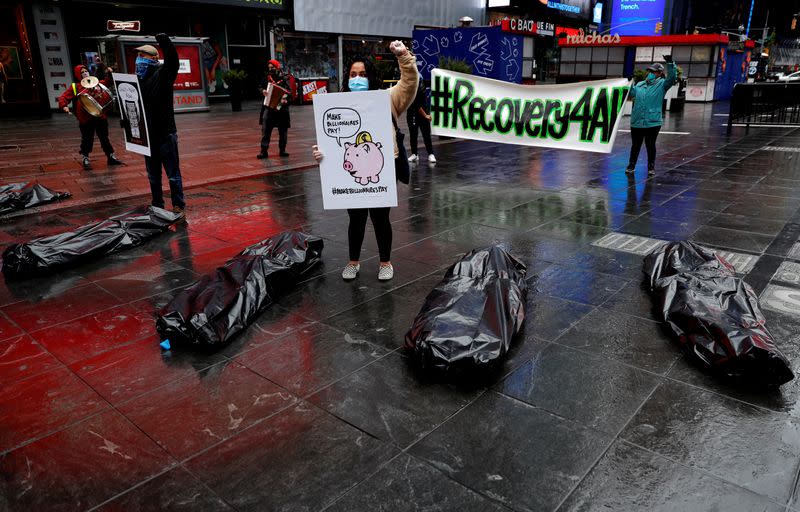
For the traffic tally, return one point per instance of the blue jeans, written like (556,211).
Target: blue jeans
(166,154)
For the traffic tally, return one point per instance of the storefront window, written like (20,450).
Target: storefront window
(20,83)
(310,56)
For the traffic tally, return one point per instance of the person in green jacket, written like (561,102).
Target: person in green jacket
(647,97)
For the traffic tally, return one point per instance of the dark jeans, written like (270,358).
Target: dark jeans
(266,134)
(166,154)
(648,135)
(88,129)
(358,224)
(417,122)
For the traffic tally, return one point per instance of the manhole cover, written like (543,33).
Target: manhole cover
(743,263)
(788,272)
(781,299)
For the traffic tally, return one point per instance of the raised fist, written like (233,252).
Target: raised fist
(398,48)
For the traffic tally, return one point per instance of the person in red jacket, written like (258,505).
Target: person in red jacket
(88,123)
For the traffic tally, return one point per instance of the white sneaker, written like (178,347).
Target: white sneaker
(413,158)
(385,272)
(212,87)
(431,159)
(350,272)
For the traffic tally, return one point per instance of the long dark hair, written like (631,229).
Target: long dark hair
(372,74)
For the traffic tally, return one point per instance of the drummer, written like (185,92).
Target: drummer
(88,123)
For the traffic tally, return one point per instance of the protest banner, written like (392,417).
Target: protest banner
(131,111)
(356,136)
(582,116)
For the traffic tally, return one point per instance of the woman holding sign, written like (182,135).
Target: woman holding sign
(362,76)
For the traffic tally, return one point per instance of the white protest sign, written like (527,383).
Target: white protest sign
(583,116)
(131,110)
(356,138)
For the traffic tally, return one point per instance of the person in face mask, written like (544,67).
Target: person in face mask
(157,81)
(646,118)
(270,118)
(360,75)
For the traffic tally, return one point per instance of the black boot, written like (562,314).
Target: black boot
(112,160)
(262,155)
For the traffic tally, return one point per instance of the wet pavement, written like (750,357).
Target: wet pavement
(316,407)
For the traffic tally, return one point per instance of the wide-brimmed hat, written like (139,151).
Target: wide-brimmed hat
(656,66)
(148,49)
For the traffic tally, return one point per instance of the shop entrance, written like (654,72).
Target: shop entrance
(252,60)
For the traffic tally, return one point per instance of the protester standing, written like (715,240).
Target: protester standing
(646,118)
(277,117)
(362,76)
(87,123)
(419,119)
(157,83)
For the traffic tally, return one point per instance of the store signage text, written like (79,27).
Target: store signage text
(527,27)
(564,7)
(116,26)
(582,38)
(195,99)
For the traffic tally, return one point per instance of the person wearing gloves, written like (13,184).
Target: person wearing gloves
(87,123)
(157,82)
(270,118)
(419,120)
(648,96)
(360,75)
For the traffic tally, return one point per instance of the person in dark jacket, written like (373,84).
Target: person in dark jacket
(157,83)
(87,123)
(418,118)
(270,118)
(646,119)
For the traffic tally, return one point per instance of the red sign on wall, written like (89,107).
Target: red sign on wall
(189,72)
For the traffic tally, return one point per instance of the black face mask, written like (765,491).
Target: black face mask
(274,72)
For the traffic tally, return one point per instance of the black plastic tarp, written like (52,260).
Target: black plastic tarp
(18,196)
(86,243)
(471,316)
(714,314)
(224,302)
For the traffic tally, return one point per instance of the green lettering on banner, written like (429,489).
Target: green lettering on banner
(490,104)
(504,125)
(559,129)
(459,102)
(591,111)
(582,113)
(599,111)
(476,114)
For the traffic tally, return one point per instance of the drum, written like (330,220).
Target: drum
(95,99)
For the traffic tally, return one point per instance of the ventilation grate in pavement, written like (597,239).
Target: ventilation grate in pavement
(743,263)
(791,149)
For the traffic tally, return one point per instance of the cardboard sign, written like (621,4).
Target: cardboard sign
(356,136)
(131,110)
(583,116)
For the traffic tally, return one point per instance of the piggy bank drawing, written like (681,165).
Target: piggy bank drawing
(364,159)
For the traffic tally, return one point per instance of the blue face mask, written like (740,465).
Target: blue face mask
(358,83)
(651,77)
(142,65)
